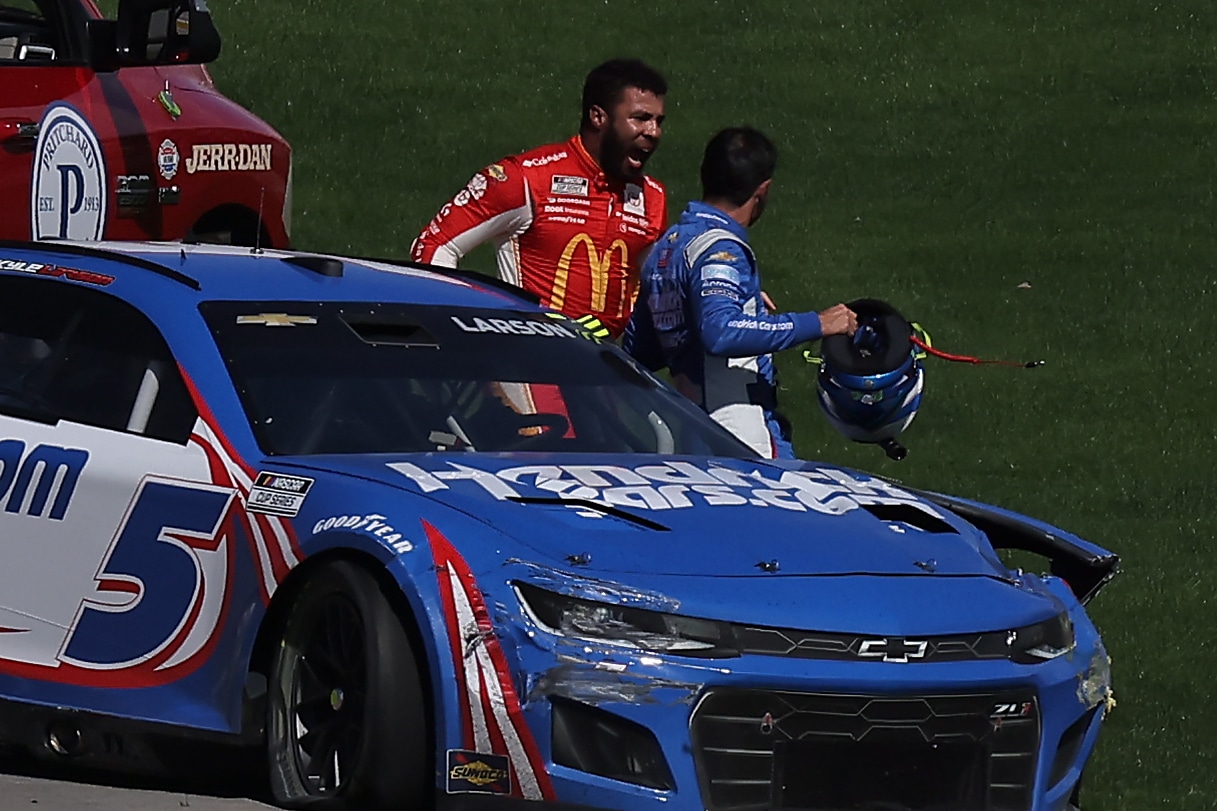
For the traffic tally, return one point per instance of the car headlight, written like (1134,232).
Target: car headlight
(1042,641)
(626,625)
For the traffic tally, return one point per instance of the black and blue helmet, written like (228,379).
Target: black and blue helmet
(870,383)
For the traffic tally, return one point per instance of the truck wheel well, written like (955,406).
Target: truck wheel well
(230,225)
(281,604)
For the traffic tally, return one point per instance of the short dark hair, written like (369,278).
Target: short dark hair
(603,85)
(736,162)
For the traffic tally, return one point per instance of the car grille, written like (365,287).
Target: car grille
(855,647)
(758,749)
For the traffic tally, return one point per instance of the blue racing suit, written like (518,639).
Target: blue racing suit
(700,313)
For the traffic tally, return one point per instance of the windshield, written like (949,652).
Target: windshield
(372,378)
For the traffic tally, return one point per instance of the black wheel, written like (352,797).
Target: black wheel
(347,719)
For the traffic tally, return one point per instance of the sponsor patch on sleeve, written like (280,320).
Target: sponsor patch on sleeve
(477,186)
(496,171)
(278,494)
(719,288)
(477,772)
(474,190)
(724,273)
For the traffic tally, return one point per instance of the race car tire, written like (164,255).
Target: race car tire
(347,720)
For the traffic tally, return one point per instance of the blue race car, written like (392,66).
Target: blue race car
(428,544)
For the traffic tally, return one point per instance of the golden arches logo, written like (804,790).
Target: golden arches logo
(599,263)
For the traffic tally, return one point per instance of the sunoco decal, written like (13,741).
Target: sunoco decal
(276,494)
(670,486)
(68,185)
(478,772)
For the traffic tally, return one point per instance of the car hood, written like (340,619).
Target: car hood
(690,515)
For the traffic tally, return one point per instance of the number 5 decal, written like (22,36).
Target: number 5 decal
(160,590)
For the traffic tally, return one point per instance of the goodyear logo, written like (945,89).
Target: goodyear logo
(478,772)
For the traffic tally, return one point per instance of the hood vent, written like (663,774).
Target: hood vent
(908,514)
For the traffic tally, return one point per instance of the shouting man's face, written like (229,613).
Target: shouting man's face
(631,133)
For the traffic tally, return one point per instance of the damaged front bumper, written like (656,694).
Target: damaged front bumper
(625,728)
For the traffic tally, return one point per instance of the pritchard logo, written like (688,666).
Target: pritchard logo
(893,649)
(68,185)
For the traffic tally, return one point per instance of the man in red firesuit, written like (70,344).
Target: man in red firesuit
(573,221)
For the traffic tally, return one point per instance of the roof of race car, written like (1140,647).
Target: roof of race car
(215,272)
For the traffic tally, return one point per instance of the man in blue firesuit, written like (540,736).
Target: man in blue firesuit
(700,310)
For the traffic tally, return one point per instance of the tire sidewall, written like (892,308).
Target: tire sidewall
(394,762)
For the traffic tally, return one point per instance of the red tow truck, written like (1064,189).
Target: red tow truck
(113,129)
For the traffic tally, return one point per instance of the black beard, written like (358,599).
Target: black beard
(612,159)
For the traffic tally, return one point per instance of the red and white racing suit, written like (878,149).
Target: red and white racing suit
(562,229)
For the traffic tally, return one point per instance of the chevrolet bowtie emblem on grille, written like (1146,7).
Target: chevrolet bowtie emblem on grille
(893,650)
(276,319)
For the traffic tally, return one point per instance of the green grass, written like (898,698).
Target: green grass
(935,155)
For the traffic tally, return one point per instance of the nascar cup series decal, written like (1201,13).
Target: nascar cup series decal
(277,494)
(671,485)
(68,185)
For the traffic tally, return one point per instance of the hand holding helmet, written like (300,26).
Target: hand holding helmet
(871,376)
(838,320)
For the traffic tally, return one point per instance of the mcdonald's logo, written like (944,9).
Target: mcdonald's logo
(598,263)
